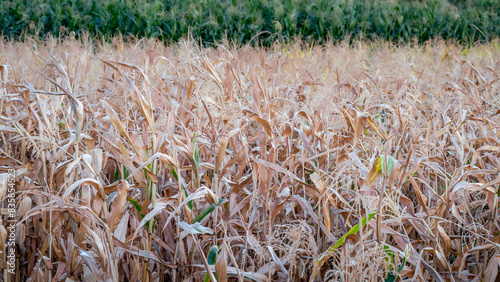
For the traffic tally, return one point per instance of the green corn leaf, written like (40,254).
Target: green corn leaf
(206,212)
(353,230)
(407,255)
(326,255)
(391,277)
(212,255)
(126,173)
(196,157)
(388,251)
(202,215)
(390,256)
(174,173)
(117,174)
(136,205)
(381,164)
(211,259)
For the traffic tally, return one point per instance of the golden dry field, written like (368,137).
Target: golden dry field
(144,162)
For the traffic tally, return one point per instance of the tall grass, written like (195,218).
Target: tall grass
(257,21)
(140,162)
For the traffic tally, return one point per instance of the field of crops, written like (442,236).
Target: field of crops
(145,162)
(256,21)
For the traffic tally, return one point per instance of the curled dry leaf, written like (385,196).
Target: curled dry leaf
(118,205)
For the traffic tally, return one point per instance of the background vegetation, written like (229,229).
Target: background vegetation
(240,21)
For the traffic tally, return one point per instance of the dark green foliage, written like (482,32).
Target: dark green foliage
(466,21)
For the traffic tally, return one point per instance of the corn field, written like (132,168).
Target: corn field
(255,21)
(140,161)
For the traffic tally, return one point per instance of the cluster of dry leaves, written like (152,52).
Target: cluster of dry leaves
(144,162)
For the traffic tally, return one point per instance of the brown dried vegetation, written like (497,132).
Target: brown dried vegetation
(134,160)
